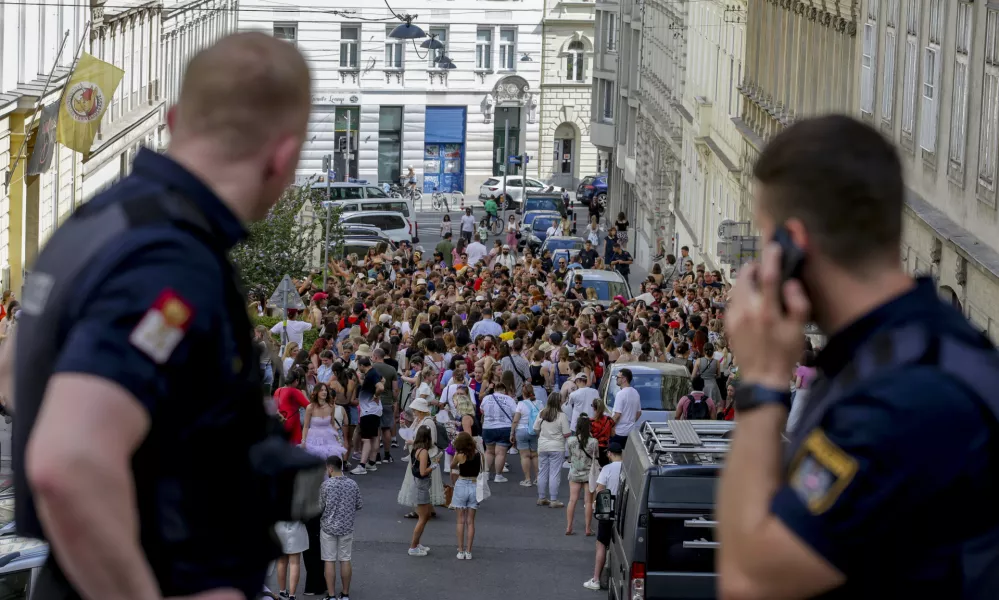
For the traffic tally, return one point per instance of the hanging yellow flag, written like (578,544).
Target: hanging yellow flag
(86,97)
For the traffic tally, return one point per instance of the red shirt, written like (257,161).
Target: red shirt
(289,401)
(602,429)
(354,320)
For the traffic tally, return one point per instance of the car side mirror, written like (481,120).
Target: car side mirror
(604,509)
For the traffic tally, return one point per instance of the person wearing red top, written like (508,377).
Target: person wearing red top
(601,428)
(289,400)
(358,318)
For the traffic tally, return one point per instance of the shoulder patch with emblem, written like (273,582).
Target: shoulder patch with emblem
(820,472)
(163,326)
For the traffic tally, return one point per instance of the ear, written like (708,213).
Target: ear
(171,118)
(284,157)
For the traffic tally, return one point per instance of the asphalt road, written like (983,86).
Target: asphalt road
(520,550)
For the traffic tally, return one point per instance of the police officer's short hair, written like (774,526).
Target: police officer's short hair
(334,462)
(243,90)
(843,180)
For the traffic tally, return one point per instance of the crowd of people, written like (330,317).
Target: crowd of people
(455,362)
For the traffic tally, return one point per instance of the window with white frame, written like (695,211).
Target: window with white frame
(891,51)
(931,78)
(507,48)
(484,49)
(575,62)
(439,34)
(608,100)
(959,110)
(911,66)
(610,31)
(869,59)
(395,50)
(350,35)
(287,32)
(989,147)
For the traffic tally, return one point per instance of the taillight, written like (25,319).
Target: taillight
(590,187)
(410,228)
(493,189)
(637,581)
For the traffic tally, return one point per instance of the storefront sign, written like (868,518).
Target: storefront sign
(336,98)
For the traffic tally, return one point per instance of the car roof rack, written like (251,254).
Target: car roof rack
(687,442)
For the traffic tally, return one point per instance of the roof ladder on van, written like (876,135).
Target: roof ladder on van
(694,437)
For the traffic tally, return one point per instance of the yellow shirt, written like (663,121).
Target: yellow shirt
(506,336)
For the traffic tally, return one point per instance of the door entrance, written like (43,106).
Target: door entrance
(501,151)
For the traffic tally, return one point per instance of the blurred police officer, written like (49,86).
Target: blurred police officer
(871,497)
(142,416)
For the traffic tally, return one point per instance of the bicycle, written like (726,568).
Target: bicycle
(495,224)
(457,198)
(413,194)
(439,201)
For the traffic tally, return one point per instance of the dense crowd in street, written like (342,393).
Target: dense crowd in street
(457,362)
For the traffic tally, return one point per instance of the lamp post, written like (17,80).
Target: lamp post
(328,205)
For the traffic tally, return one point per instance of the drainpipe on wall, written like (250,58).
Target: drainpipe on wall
(541,103)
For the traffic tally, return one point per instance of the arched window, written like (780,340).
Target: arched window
(575,62)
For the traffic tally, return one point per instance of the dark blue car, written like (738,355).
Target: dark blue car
(590,186)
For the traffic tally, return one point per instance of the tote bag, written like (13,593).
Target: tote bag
(482,483)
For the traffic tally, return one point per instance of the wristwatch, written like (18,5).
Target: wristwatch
(751,396)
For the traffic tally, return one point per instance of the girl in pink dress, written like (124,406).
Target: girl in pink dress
(322,431)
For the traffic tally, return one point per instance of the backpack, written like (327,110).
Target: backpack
(533,414)
(698,409)
(443,440)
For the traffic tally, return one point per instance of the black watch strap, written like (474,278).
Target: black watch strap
(751,396)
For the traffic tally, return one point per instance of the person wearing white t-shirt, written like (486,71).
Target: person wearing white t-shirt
(627,408)
(293,330)
(581,400)
(610,476)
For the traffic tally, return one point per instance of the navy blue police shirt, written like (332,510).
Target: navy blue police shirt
(895,476)
(183,375)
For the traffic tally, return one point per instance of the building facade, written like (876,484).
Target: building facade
(603,87)
(566,154)
(33,44)
(187,27)
(712,145)
(381,105)
(929,79)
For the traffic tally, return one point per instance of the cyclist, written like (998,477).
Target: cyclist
(411,179)
(492,211)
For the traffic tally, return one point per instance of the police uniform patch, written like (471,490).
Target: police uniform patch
(820,472)
(163,326)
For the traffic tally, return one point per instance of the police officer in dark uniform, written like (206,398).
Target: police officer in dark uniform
(886,486)
(141,444)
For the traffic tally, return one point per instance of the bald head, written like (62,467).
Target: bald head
(245,92)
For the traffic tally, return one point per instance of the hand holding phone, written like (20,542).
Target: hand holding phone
(792,260)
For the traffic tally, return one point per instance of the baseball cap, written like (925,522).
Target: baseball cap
(615,447)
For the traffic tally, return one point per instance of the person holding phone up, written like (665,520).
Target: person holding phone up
(856,505)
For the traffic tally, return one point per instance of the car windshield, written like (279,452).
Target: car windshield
(541,204)
(554,245)
(529,217)
(606,289)
(587,180)
(543,223)
(650,390)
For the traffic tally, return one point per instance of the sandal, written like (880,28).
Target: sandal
(590,534)
(570,532)
(411,515)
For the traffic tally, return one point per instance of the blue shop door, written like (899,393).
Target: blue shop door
(443,168)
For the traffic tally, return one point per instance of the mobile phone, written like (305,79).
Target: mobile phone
(792,259)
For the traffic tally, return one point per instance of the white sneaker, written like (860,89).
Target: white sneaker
(592,584)
(405,458)
(565,465)
(358,470)
(461,555)
(500,479)
(417,551)
(513,451)
(506,468)
(422,547)
(525,483)
(468,556)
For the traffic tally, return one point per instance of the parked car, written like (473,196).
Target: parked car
(608,284)
(393,224)
(590,186)
(358,246)
(562,246)
(526,226)
(660,387)
(542,201)
(493,188)
(539,230)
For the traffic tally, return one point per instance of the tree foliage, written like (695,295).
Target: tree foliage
(277,245)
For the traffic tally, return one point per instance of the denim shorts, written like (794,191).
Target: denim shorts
(527,440)
(498,437)
(353,416)
(464,495)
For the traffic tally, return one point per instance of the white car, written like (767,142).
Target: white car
(393,225)
(493,188)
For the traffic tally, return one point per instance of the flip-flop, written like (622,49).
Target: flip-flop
(570,533)
(411,515)
(590,534)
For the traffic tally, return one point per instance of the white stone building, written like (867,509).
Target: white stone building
(566,154)
(187,28)
(712,145)
(31,35)
(605,95)
(929,78)
(381,105)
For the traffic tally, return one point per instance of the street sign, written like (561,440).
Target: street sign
(286,296)
(739,249)
(515,160)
